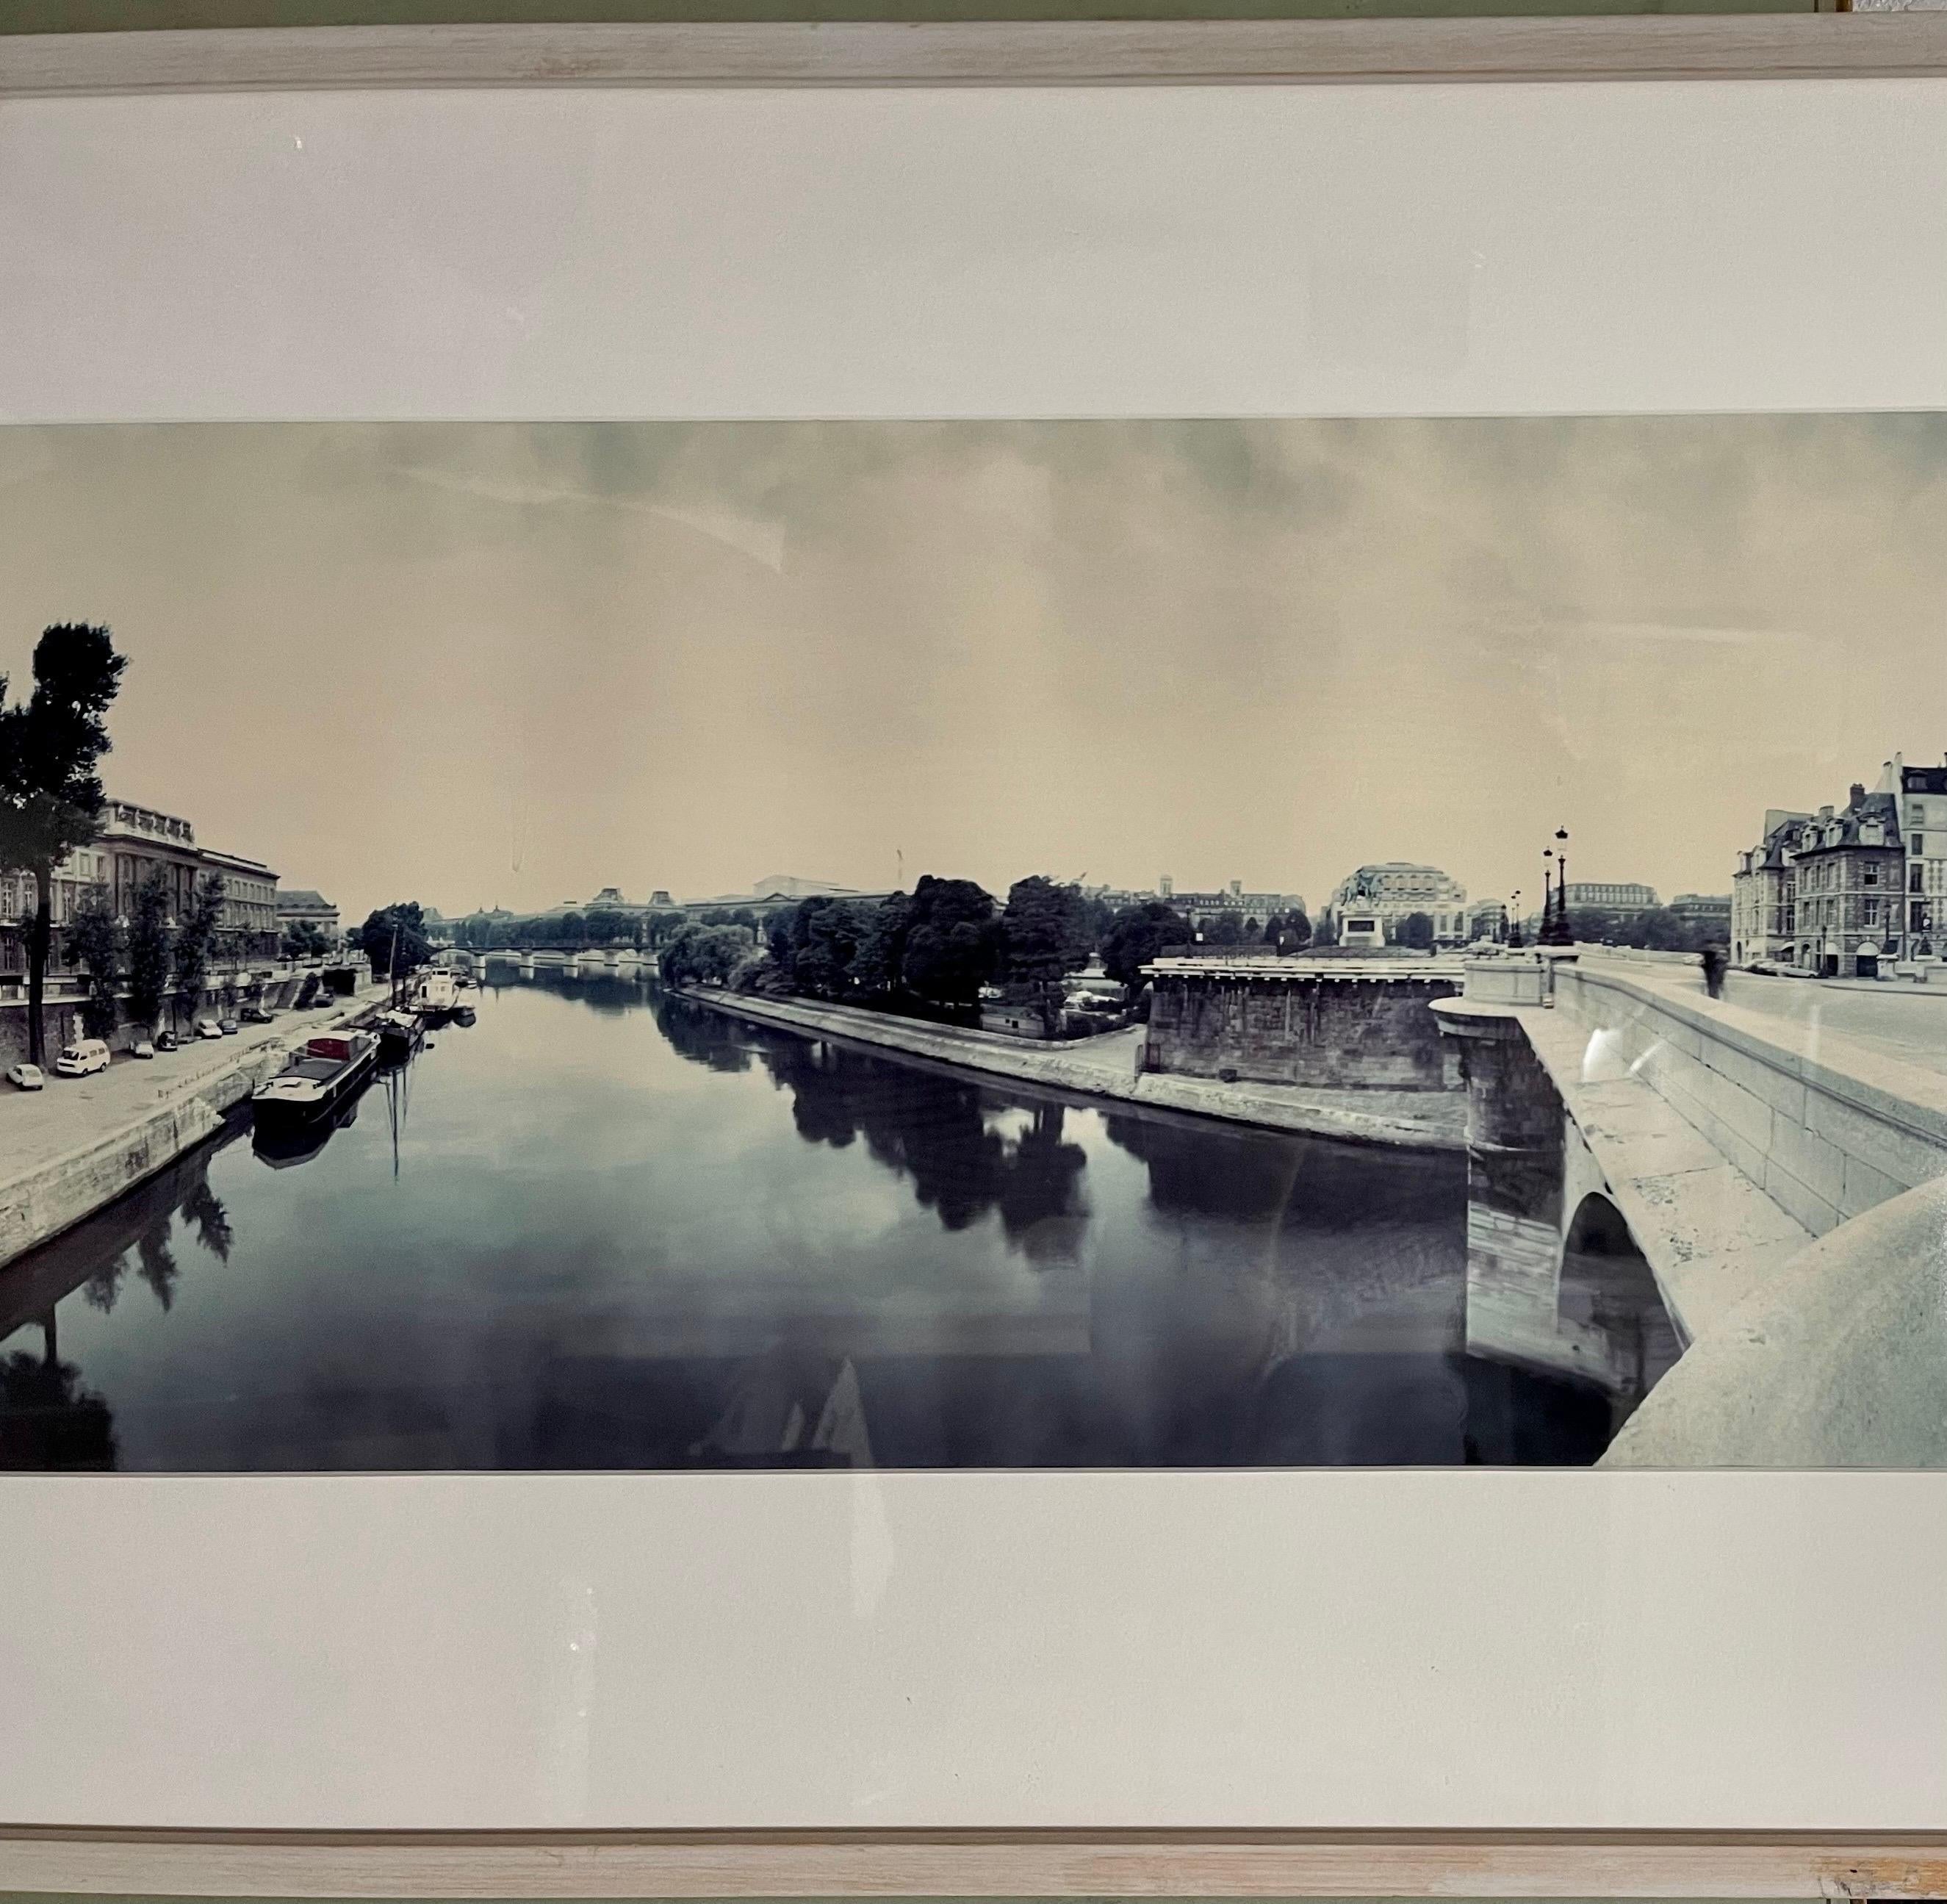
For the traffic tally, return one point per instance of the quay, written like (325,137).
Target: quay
(71,1149)
(1107,1065)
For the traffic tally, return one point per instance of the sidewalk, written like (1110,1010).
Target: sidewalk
(39,1127)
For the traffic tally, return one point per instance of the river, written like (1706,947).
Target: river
(603,1228)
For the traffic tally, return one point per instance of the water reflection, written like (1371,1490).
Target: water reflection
(622,1229)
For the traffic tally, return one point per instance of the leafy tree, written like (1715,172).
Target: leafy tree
(1044,935)
(196,935)
(605,925)
(952,942)
(878,969)
(50,797)
(703,955)
(304,940)
(1224,930)
(148,950)
(1295,933)
(1137,936)
(94,942)
(1415,930)
(398,929)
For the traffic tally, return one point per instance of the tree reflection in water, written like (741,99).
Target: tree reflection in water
(48,1419)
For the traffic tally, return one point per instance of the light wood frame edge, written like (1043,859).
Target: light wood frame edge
(1808,45)
(1033,1864)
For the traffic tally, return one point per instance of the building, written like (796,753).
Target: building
(1847,869)
(1762,892)
(1707,915)
(1597,895)
(1307,1022)
(1920,795)
(298,906)
(247,927)
(1368,905)
(1487,919)
(1204,909)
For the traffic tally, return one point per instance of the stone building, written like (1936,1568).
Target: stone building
(1762,893)
(1287,1021)
(247,927)
(1367,906)
(1847,871)
(1610,896)
(1707,915)
(1204,909)
(1920,794)
(299,905)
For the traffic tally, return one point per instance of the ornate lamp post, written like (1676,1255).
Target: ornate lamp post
(1554,928)
(1515,920)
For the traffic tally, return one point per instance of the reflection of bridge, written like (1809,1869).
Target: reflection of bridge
(1653,1171)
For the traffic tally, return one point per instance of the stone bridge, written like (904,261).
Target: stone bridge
(1725,1206)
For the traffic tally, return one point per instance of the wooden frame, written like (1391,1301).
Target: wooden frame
(1785,46)
(977,1864)
(1031,1863)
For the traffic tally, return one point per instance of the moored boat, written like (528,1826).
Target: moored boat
(319,1077)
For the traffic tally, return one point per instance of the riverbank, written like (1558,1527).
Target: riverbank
(71,1149)
(1105,1067)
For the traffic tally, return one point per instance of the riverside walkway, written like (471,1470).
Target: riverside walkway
(1105,1067)
(67,1150)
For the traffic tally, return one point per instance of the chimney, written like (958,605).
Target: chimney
(1859,794)
(1236,888)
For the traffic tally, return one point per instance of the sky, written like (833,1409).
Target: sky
(479,664)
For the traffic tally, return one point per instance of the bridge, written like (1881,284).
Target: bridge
(1731,1213)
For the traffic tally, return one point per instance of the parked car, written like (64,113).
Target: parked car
(142,1047)
(227,1027)
(166,1041)
(208,1028)
(257,1014)
(1763,966)
(25,1077)
(82,1059)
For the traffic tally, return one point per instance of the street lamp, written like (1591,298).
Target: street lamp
(1514,921)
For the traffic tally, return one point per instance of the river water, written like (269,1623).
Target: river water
(605,1228)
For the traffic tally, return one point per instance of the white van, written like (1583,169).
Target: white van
(78,1059)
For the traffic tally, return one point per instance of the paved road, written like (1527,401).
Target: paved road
(38,1125)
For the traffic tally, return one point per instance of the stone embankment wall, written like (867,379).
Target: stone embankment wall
(1311,1028)
(61,1017)
(55,1195)
(1104,1067)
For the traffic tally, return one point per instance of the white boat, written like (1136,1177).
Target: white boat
(435,990)
(322,1075)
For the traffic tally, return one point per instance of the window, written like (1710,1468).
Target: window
(1872,876)
(1916,916)
(1869,912)
(1919,844)
(1916,879)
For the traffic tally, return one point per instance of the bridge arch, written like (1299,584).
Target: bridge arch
(1608,1287)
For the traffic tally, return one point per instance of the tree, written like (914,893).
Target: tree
(605,925)
(50,746)
(94,942)
(148,950)
(303,939)
(1295,933)
(400,926)
(196,934)
(1044,935)
(1327,932)
(1224,930)
(1415,930)
(703,955)
(952,942)
(1136,937)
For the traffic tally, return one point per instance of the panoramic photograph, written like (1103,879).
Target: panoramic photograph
(1174,944)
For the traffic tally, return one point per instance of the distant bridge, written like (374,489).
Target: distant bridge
(1654,1173)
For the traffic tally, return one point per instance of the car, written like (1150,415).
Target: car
(82,1059)
(26,1077)
(208,1028)
(166,1041)
(1763,966)
(256,1014)
(142,1047)
(227,1027)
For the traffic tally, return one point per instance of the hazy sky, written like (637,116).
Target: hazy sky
(490,664)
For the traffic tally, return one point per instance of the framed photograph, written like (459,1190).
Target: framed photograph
(986,961)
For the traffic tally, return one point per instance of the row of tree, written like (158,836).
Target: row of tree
(162,964)
(931,953)
(598,926)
